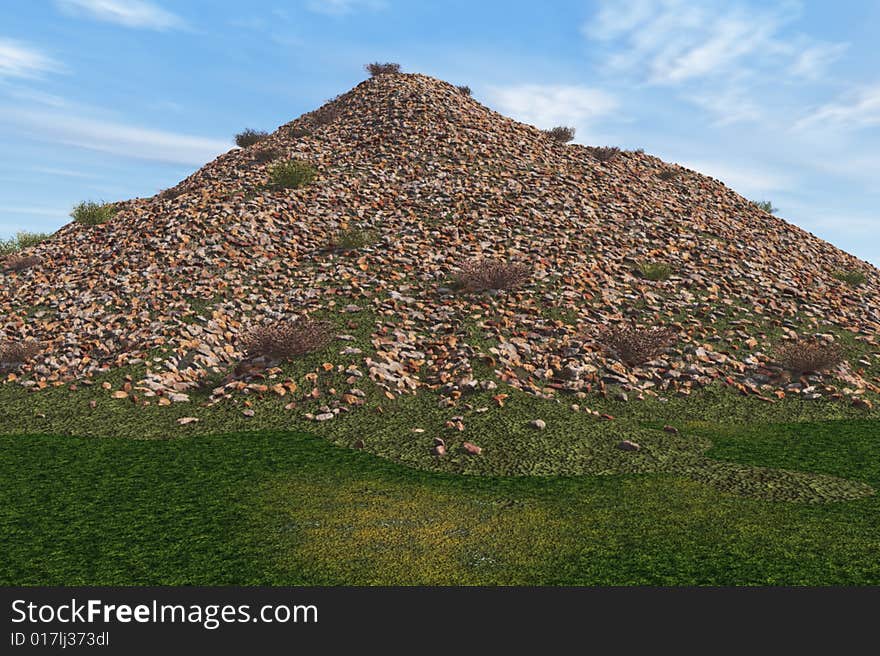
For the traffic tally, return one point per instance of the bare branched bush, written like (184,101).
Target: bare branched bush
(605,154)
(464,89)
(375,69)
(268,154)
(560,133)
(285,339)
(13,354)
(19,262)
(806,355)
(634,346)
(353,238)
(249,137)
(485,274)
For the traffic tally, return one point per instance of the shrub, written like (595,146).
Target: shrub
(92,213)
(296,132)
(466,90)
(655,271)
(605,154)
(291,174)
(668,174)
(263,155)
(852,277)
(249,137)
(21,241)
(481,275)
(351,239)
(808,355)
(634,346)
(19,262)
(375,69)
(765,205)
(13,354)
(285,339)
(560,133)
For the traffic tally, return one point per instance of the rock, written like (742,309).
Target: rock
(863,404)
(324,416)
(472,449)
(439,450)
(183,421)
(439,441)
(539,424)
(359,444)
(248,413)
(671,429)
(627,445)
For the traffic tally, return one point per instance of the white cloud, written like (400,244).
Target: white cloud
(128,141)
(22,61)
(549,105)
(860,109)
(670,42)
(128,13)
(343,7)
(729,105)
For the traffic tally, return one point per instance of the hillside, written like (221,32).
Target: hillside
(172,281)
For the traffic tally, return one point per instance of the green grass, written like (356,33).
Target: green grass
(655,271)
(91,213)
(852,277)
(22,240)
(288,509)
(291,175)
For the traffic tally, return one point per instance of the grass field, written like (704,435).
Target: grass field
(268,507)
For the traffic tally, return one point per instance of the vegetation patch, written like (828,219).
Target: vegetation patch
(92,213)
(250,137)
(561,134)
(292,174)
(852,277)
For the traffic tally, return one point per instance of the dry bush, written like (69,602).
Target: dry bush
(353,238)
(605,154)
(285,338)
(852,277)
(560,133)
(634,346)
(466,90)
(481,275)
(296,132)
(20,262)
(249,137)
(13,354)
(808,355)
(655,271)
(375,69)
(268,154)
(668,174)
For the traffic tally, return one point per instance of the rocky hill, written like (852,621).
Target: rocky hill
(440,180)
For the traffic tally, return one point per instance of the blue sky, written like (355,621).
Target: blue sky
(110,99)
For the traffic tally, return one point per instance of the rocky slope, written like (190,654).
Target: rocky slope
(442,180)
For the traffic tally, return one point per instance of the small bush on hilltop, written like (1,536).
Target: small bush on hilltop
(351,239)
(852,277)
(655,271)
(92,213)
(634,346)
(560,133)
(482,275)
(13,354)
(21,241)
(605,153)
(286,339)
(765,205)
(806,355)
(249,137)
(375,69)
(466,90)
(291,174)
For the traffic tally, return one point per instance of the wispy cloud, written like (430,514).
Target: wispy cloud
(669,42)
(859,109)
(549,105)
(128,13)
(20,60)
(343,7)
(129,141)
(748,180)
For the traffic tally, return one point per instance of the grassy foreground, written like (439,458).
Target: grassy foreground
(285,508)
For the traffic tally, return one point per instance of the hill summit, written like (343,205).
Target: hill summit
(433,183)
